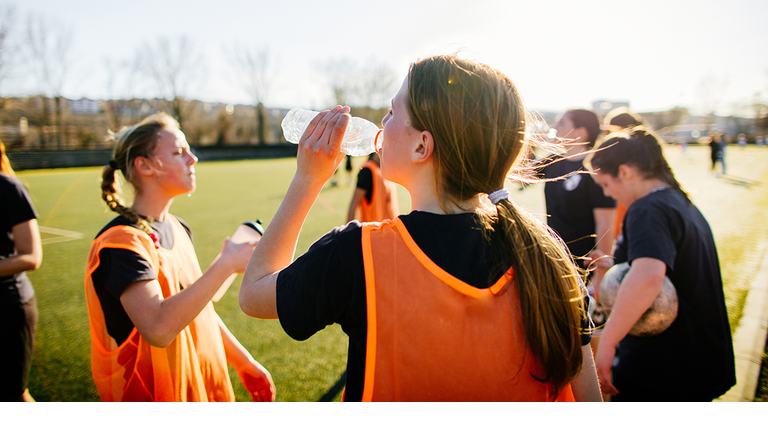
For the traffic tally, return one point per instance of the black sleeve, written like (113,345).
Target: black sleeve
(324,286)
(651,234)
(17,203)
(119,268)
(365,182)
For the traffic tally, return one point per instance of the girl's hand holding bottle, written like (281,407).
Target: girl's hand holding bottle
(319,148)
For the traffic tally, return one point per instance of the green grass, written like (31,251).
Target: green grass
(228,194)
(231,192)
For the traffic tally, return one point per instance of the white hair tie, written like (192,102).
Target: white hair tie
(499,195)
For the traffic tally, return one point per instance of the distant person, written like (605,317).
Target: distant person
(717,151)
(374,199)
(742,140)
(468,297)
(576,207)
(348,169)
(154,333)
(759,141)
(664,234)
(20,251)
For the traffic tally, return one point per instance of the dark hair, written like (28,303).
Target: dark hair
(588,120)
(623,118)
(638,148)
(477,120)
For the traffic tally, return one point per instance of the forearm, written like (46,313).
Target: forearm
(159,320)
(276,249)
(236,353)
(585,386)
(19,263)
(637,292)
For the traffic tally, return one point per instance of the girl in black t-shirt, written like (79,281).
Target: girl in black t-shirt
(455,130)
(20,251)
(663,234)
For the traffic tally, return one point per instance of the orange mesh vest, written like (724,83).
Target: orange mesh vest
(381,206)
(193,367)
(432,337)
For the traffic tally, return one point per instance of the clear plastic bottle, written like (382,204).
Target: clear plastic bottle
(359,140)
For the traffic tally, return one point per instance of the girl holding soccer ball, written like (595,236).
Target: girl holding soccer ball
(663,234)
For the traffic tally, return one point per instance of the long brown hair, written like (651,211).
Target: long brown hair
(478,122)
(638,148)
(130,143)
(5,164)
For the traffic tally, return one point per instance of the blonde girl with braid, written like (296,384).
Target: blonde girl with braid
(468,297)
(154,333)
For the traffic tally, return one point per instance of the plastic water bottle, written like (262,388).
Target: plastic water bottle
(359,140)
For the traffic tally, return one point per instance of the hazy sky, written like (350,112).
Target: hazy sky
(656,54)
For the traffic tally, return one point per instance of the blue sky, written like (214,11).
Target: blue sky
(561,54)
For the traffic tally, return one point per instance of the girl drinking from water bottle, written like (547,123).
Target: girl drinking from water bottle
(468,297)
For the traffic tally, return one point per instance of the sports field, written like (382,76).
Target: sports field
(71,213)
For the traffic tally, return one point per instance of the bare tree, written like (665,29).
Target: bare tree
(341,75)
(7,44)
(49,48)
(252,68)
(177,68)
(120,85)
(376,84)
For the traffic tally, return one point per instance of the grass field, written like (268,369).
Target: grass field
(231,192)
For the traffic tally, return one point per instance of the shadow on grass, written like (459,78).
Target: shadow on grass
(335,389)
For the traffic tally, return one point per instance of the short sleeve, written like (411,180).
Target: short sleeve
(324,286)
(119,268)
(17,201)
(651,233)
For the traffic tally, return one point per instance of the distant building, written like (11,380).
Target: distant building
(602,107)
(84,106)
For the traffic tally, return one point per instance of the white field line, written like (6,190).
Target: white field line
(61,235)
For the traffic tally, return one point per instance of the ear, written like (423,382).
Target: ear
(626,173)
(143,166)
(424,148)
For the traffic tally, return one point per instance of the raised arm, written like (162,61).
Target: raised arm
(159,320)
(26,239)
(318,157)
(637,292)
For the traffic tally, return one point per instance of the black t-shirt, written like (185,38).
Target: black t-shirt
(571,203)
(119,268)
(365,182)
(692,359)
(15,208)
(336,294)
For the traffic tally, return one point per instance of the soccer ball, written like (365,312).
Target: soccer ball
(657,318)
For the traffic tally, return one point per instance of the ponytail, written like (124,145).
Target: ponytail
(549,290)
(110,193)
